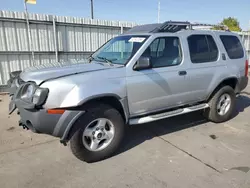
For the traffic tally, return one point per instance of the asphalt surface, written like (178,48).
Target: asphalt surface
(185,151)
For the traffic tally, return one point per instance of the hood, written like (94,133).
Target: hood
(46,72)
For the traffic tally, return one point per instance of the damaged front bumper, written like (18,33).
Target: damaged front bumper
(37,119)
(13,85)
(40,121)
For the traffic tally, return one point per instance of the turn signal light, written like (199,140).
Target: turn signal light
(55,111)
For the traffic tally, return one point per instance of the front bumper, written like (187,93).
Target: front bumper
(39,121)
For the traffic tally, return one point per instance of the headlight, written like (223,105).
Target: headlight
(32,93)
(27,92)
(40,96)
(37,96)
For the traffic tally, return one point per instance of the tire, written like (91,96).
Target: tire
(102,111)
(212,113)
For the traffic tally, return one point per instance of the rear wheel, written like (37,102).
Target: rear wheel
(221,105)
(100,134)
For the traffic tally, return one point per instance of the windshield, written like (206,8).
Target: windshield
(119,49)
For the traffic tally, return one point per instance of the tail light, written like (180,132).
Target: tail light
(246,68)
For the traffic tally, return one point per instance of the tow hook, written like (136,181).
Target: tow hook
(23,125)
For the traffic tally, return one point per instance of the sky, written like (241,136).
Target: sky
(142,11)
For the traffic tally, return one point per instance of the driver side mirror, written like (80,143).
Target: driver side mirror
(143,63)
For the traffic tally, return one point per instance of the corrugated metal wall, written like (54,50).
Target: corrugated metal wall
(73,39)
(245,36)
(55,38)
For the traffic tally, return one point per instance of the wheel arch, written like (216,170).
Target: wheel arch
(120,104)
(231,81)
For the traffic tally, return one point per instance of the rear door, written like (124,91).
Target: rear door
(205,64)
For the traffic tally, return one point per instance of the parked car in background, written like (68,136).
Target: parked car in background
(150,73)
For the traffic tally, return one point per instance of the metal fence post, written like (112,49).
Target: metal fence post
(121,29)
(55,38)
(122,47)
(243,37)
(29,33)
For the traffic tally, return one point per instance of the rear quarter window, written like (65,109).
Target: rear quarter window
(233,46)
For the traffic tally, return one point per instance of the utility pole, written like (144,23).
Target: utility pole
(31,47)
(159,10)
(92,9)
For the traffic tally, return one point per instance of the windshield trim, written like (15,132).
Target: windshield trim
(125,35)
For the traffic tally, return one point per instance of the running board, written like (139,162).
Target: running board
(164,115)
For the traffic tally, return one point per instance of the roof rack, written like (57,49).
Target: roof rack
(171,26)
(175,26)
(222,27)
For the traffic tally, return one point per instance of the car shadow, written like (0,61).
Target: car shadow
(242,103)
(138,134)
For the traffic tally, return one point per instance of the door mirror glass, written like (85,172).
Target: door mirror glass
(143,63)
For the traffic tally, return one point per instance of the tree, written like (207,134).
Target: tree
(232,23)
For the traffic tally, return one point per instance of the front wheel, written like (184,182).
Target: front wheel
(100,134)
(222,105)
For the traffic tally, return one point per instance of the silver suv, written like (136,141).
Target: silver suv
(151,72)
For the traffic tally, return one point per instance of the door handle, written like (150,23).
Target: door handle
(182,73)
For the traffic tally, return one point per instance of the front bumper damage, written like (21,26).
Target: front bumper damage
(37,119)
(13,85)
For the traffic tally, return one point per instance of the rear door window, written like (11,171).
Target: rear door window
(233,46)
(202,48)
(212,48)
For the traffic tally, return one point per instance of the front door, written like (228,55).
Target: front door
(162,86)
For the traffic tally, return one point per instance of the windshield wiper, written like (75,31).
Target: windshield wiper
(109,61)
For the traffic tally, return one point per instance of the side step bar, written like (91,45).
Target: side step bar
(164,115)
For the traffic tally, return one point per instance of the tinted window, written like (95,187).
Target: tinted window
(233,46)
(157,47)
(202,48)
(213,48)
(164,51)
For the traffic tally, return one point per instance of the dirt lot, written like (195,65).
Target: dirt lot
(185,151)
